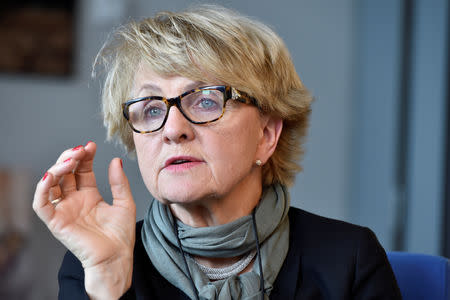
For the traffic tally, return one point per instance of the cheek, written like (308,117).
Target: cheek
(145,152)
(232,153)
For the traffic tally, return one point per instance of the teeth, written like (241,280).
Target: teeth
(180,161)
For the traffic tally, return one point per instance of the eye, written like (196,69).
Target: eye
(207,103)
(202,104)
(152,111)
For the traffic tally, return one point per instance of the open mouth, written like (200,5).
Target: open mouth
(180,161)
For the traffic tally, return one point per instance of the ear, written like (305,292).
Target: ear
(271,132)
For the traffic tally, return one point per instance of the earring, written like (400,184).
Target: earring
(258,162)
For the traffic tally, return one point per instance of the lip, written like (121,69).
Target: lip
(191,159)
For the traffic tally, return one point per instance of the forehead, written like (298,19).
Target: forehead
(147,81)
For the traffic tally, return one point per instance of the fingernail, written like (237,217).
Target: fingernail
(67,160)
(88,143)
(121,164)
(45,176)
(77,147)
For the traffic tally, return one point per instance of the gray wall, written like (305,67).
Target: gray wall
(43,116)
(426,160)
(376,98)
(379,199)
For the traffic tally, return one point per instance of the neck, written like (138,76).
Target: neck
(218,211)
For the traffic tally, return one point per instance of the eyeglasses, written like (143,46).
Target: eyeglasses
(199,106)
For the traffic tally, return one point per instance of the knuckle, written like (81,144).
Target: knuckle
(35,206)
(38,187)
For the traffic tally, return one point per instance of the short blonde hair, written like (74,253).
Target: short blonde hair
(206,41)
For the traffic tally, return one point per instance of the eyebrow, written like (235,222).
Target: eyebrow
(149,86)
(156,89)
(194,85)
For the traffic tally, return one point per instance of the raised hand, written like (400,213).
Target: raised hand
(100,235)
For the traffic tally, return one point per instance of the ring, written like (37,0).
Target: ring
(56,201)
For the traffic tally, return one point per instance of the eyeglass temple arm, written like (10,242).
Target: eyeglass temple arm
(125,111)
(243,97)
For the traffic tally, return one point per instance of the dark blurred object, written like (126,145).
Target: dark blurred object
(37,37)
(15,253)
(10,245)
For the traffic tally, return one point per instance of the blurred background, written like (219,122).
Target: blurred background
(378,147)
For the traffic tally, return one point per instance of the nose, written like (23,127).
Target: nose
(177,128)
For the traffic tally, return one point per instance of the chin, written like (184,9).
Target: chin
(183,189)
(184,194)
(188,196)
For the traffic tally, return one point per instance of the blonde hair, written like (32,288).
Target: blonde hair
(206,41)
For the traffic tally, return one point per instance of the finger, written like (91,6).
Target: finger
(68,184)
(73,155)
(55,193)
(84,173)
(41,204)
(47,188)
(120,188)
(76,153)
(63,173)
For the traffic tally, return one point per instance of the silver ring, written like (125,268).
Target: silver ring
(56,201)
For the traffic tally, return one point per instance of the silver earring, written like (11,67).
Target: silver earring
(258,162)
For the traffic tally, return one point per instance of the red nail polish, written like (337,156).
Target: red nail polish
(45,176)
(67,160)
(121,164)
(77,147)
(88,143)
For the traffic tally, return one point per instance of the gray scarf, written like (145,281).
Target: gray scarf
(228,240)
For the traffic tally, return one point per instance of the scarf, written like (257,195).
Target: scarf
(227,240)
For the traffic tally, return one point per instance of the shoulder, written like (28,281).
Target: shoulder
(326,242)
(335,257)
(314,231)
(332,241)
(301,218)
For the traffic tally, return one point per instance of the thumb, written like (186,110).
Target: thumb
(120,188)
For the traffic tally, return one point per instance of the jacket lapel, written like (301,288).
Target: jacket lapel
(289,278)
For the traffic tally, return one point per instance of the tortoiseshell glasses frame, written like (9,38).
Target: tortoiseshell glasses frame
(229,93)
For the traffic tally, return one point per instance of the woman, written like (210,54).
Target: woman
(210,103)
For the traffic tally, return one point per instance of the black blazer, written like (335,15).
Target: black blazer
(327,259)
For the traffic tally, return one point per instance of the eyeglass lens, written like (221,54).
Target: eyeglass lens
(200,106)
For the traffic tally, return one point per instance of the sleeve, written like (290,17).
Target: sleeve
(374,278)
(71,281)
